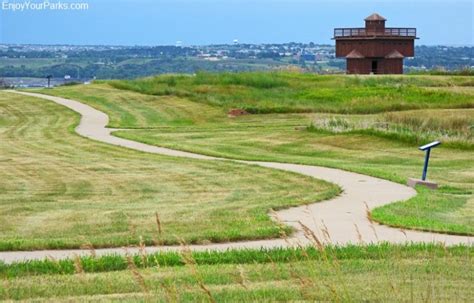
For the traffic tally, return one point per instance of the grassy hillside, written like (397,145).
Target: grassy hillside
(59,190)
(383,144)
(292,92)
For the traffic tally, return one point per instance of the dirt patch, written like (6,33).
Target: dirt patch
(236,112)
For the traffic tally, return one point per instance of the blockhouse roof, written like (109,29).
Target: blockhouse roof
(375,17)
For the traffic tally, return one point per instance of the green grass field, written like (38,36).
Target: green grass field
(382,144)
(414,273)
(59,190)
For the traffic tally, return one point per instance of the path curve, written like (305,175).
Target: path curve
(344,218)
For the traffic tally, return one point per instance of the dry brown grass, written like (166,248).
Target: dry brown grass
(459,122)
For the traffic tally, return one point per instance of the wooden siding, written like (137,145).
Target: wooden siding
(377,26)
(375,47)
(383,66)
(359,66)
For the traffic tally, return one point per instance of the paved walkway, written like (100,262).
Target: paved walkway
(342,220)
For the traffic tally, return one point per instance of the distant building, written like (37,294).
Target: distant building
(375,49)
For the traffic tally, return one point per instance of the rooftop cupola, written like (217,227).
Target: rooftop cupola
(375,23)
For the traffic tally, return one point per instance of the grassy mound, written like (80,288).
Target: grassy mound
(299,93)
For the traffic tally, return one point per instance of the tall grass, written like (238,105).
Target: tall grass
(92,264)
(457,122)
(467,71)
(319,271)
(454,127)
(255,80)
(411,80)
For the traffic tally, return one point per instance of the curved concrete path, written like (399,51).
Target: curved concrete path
(342,220)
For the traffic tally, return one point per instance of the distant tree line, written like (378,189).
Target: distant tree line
(133,62)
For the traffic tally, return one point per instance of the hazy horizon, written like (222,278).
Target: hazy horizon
(206,22)
(203,45)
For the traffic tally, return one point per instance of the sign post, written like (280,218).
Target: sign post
(427,149)
(49,80)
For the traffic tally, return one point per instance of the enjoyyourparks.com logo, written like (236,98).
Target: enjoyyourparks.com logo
(20,6)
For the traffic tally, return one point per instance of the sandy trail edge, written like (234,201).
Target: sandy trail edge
(344,217)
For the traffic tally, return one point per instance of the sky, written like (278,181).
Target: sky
(199,22)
